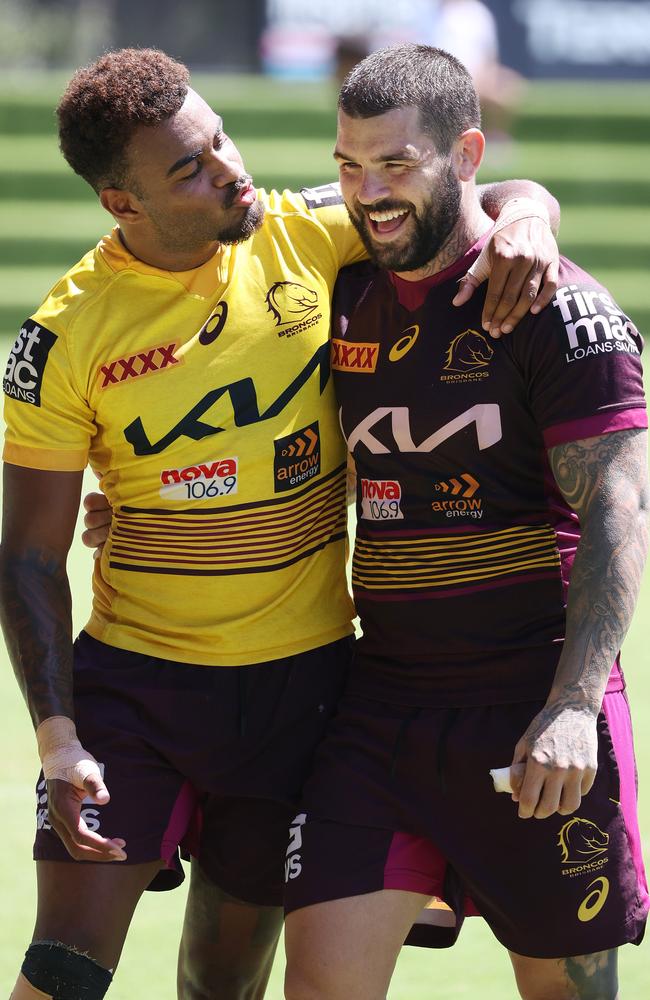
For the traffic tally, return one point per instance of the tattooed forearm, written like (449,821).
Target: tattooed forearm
(604,479)
(35,608)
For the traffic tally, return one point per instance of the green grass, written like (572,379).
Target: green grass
(588,143)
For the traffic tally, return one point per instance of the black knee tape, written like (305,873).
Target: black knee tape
(64,973)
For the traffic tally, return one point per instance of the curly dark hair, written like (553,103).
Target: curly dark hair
(420,76)
(106,102)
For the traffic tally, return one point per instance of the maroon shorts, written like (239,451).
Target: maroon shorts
(211,759)
(402,799)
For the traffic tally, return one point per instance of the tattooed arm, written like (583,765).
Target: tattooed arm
(604,479)
(39,515)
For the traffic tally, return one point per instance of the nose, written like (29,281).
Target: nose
(372,188)
(225,167)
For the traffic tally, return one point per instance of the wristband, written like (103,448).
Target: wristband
(62,755)
(513,211)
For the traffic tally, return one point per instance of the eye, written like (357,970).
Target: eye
(195,173)
(219,140)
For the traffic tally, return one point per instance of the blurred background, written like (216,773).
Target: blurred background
(565,90)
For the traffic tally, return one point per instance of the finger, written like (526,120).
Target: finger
(98,518)
(466,288)
(571,794)
(96,789)
(531,790)
(527,295)
(85,845)
(94,501)
(517,772)
(548,289)
(515,300)
(588,778)
(549,799)
(496,285)
(94,539)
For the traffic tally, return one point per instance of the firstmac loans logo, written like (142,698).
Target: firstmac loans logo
(594,324)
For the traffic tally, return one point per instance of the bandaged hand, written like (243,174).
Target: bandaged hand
(520,253)
(62,756)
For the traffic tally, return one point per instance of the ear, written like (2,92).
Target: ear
(122,205)
(469,150)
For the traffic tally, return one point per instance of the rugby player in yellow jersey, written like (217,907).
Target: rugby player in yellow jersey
(185,359)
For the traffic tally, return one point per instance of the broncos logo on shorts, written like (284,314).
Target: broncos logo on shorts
(290,302)
(467,352)
(581,840)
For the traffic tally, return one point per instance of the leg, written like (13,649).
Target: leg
(227,947)
(348,947)
(87,908)
(585,977)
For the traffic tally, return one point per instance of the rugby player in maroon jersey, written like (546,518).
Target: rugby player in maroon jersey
(502,501)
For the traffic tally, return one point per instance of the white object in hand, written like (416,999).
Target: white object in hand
(501,776)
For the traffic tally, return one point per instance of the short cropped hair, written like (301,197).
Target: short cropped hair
(405,76)
(106,102)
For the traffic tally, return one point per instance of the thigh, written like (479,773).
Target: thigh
(348,947)
(89,906)
(227,946)
(549,888)
(242,847)
(583,977)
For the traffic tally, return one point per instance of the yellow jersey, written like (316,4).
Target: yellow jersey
(202,399)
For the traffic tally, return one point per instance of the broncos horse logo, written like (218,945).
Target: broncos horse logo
(581,840)
(290,302)
(467,352)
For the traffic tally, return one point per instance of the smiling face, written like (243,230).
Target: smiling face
(190,181)
(402,196)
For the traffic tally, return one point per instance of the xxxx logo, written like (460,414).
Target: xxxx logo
(354,357)
(466,488)
(146,362)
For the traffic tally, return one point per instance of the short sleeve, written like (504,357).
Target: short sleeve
(582,363)
(327,205)
(49,424)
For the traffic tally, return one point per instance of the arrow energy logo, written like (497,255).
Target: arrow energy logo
(297,458)
(459,499)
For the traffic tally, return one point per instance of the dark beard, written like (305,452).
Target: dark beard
(432,228)
(244,229)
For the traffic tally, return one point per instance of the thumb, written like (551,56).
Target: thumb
(96,789)
(467,286)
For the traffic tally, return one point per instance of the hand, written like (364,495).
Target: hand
(560,752)
(64,802)
(517,259)
(97,521)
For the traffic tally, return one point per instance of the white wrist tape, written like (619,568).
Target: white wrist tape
(513,211)
(62,755)
(501,776)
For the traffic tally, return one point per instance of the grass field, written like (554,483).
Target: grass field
(589,144)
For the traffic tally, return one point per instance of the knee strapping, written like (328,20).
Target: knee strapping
(59,972)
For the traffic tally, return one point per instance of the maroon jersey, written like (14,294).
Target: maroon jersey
(464,543)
